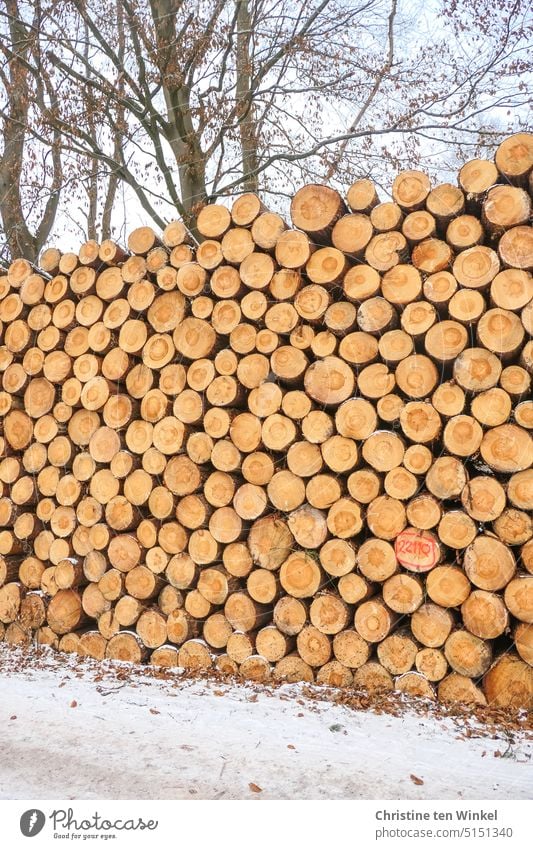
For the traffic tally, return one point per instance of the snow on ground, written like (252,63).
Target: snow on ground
(76,729)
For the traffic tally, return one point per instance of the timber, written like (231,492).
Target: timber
(300,449)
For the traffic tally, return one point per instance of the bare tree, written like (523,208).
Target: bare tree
(184,101)
(30,177)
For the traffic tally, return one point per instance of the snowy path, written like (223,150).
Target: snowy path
(75,732)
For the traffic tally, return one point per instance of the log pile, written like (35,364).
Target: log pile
(293,451)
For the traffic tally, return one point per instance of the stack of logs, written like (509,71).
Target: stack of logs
(301,452)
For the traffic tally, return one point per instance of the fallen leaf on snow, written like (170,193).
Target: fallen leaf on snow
(153,710)
(255,787)
(416,780)
(74,703)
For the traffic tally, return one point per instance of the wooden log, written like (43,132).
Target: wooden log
(329,614)
(315,209)
(518,598)
(447,586)
(376,560)
(65,612)
(483,498)
(213,221)
(520,489)
(501,331)
(386,517)
(11,595)
(293,669)
(509,683)
(467,654)
(126,646)
(334,674)
(403,594)
(418,226)
(400,483)
(386,250)
(415,685)
(313,646)
(352,233)
(410,189)
(507,448)
(523,640)
(432,256)
(460,688)
(397,653)
(489,563)
(492,407)
(431,625)
(267,229)
(484,615)
(372,677)
(361,282)
(245,209)
(386,217)
(515,381)
(463,232)
(515,248)
(416,376)
(475,177)
(362,196)
(374,620)
(350,649)
(293,249)
(514,157)
(255,668)
(432,664)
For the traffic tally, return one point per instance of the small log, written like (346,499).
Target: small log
(460,688)
(518,598)
(386,217)
(126,646)
(468,655)
(376,560)
(293,669)
(463,232)
(315,209)
(509,683)
(362,196)
(432,664)
(351,649)
(267,229)
(386,250)
(489,563)
(245,209)
(418,226)
(447,586)
(403,594)
(372,677)
(410,189)
(484,615)
(374,620)
(313,646)
(431,625)
(334,674)
(514,157)
(523,640)
(397,653)
(352,233)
